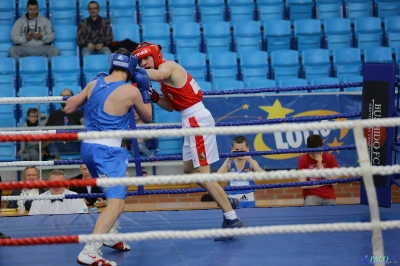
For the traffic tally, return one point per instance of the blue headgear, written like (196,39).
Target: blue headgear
(127,62)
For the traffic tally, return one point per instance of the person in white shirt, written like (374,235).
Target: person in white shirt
(65,206)
(30,174)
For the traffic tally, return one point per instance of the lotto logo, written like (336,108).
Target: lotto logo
(141,53)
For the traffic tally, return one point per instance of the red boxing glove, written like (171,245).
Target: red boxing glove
(154,96)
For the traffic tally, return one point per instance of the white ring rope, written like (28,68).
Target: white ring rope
(40,197)
(17,100)
(222,177)
(292,127)
(257,230)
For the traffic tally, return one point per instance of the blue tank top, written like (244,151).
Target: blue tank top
(245,169)
(95,117)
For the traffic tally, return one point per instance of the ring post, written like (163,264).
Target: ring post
(378,102)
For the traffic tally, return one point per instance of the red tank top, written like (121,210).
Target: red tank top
(186,96)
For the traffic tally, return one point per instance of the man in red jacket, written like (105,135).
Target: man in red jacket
(319,194)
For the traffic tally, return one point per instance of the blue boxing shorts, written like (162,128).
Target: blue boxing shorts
(105,161)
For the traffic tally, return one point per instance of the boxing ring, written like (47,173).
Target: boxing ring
(323,235)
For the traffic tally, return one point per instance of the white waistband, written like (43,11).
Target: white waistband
(111,142)
(189,111)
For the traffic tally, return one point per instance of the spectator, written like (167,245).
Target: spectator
(99,202)
(30,174)
(319,194)
(60,118)
(243,164)
(94,33)
(32,34)
(62,206)
(144,172)
(30,151)
(2,236)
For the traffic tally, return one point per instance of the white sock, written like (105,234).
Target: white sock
(230,215)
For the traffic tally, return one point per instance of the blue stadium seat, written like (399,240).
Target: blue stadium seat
(358,9)
(353,79)
(261,83)
(367,32)
(8,152)
(325,81)
(33,91)
(224,85)
(8,12)
(316,64)
(378,54)
(293,82)
(59,88)
(168,56)
(299,9)
(182,11)
(247,36)
(223,66)
(240,10)
(254,65)
(270,10)
(7,111)
(277,35)
(195,64)
(398,57)
(92,64)
(387,8)
(168,145)
(65,70)
(392,32)
(307,33)
(126,31)
(156,86)
(204,85)
(152,11)
(284,64)
(346,62)
(123,11)
(33,71)
(84,12)
(22,7)
(5,40)
(328,9)
(158,33)
(211,10)
(338,33)
(8,74)
(186,37)
(217,36)
(65,39)
(62,12)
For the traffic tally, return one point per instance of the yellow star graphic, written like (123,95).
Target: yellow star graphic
(276,110)
(335,143)
(245,106)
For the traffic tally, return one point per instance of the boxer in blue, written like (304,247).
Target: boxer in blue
(107,100)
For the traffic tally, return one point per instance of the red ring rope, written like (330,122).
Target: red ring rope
(39,137)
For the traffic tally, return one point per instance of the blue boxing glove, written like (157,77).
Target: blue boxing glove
(98,75)
(141,78)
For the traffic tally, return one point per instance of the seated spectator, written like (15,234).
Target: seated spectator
(60,118)
(243,164)
(94,33)
(32,35)
(2,236)
(318,194)
(97,202)
(30,151)
(62,206)
(31,173)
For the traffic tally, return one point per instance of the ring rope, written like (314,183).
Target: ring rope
(203,233)
(24,136)
(199,178)
(395,181)
(190,190)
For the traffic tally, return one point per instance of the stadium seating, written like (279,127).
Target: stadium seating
(228,85)
(325,81)
(346,62)
(367,32)
(254,65)
(387,8)
(5,40)
(217,36)
(270,10)
(65,39)
(285,64)
(126,31)
(65,70)
(353,79)
(247,36)
(92,64)
(277,35)
(223,66)
(33,71)
(211,10)
(152,11)
(307,33)
(8,12)
(326,9)
(195,63)
(122,11)
(358,9)
(338,33)
(62,12)
(378,54)
(158,33)
(186,37)
(261,84)
(240,10)
(299,9)
(392,32)
(316,64)
(84,12)
(182,11)
(204,85)
(293,82)
(8,74)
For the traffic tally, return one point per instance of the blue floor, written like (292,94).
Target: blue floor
(337,248)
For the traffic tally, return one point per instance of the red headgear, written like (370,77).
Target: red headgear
(147,48)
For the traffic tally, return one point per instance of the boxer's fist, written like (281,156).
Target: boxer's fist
(141,78)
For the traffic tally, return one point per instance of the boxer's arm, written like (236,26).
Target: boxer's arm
(75,102)
(160,74)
